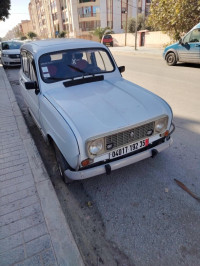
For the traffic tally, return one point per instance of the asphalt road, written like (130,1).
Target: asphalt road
(138,215)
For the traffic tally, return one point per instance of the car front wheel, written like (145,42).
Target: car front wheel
(171,59)
(62,164)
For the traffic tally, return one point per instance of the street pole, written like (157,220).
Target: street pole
(126,21)
(136,24)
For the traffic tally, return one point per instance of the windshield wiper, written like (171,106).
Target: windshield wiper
(55,78)
(83,80)
(76,68)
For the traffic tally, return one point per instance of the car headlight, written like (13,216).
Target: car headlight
(161,124)
(5,55)
(96,147)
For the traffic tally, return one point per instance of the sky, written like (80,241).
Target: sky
(18,12)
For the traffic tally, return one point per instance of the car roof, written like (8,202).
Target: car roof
(52,45)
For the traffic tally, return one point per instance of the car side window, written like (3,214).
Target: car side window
(28,66)
(25,64)
(187,38)
(195,36)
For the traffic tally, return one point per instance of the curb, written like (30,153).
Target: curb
(65,248)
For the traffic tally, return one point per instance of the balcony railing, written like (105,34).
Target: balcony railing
(87,15)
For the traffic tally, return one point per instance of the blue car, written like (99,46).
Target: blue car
(186,50)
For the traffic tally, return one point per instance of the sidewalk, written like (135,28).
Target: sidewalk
(33,229)
(147,51)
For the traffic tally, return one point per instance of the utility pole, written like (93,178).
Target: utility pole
(126,21)
(136,24)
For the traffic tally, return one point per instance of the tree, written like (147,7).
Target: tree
(61,34)
(174,16)
(100,32)
(4,9)
(132,21)
(31,34)
(23,38)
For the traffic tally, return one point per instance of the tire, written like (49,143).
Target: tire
(62,164)
(171,59)
(111,44)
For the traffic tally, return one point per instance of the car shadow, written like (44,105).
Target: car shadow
(188,65)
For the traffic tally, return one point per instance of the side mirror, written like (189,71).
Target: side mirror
(121,69)
(31,85)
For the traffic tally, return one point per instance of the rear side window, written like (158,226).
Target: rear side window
(28,66)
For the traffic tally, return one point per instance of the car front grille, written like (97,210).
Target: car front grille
(129,136)
(14,56)
(14,63)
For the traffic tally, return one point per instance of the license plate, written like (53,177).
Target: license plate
(129,148)
(16,60)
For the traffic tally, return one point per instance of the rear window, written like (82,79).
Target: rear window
(107,37)
(11,45)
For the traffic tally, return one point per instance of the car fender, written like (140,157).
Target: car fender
(57,128)
(174,51)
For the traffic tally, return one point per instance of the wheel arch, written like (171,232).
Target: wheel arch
(172,51)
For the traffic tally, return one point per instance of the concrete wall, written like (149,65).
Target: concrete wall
(152,39)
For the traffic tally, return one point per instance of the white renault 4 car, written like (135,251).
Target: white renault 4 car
(10,53)
(96,120)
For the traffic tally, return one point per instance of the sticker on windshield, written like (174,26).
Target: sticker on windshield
(47,75)
(45,69)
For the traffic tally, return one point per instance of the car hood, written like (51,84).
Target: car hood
(12,51)
(171,46)
(104,106)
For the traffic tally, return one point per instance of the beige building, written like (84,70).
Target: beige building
(25,27)
(19,30)
(78,18)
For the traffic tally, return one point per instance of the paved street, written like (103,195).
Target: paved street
(138,215)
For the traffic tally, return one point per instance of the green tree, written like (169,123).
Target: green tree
(23,38)
(132,22)
(62,34)
(4,9)
(31,34)
(174,16)
(100,32)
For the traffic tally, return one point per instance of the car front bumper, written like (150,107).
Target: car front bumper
(6,61)
(101,169)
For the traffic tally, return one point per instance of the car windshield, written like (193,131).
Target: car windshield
(11,45)
(70,64)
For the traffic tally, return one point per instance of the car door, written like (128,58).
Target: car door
(189,50)
(32,96)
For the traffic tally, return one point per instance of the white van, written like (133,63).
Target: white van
(10,53)
(95,119)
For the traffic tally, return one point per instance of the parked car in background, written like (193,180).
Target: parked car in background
(95,119)
(107,40)
(186,50)
(10,53)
